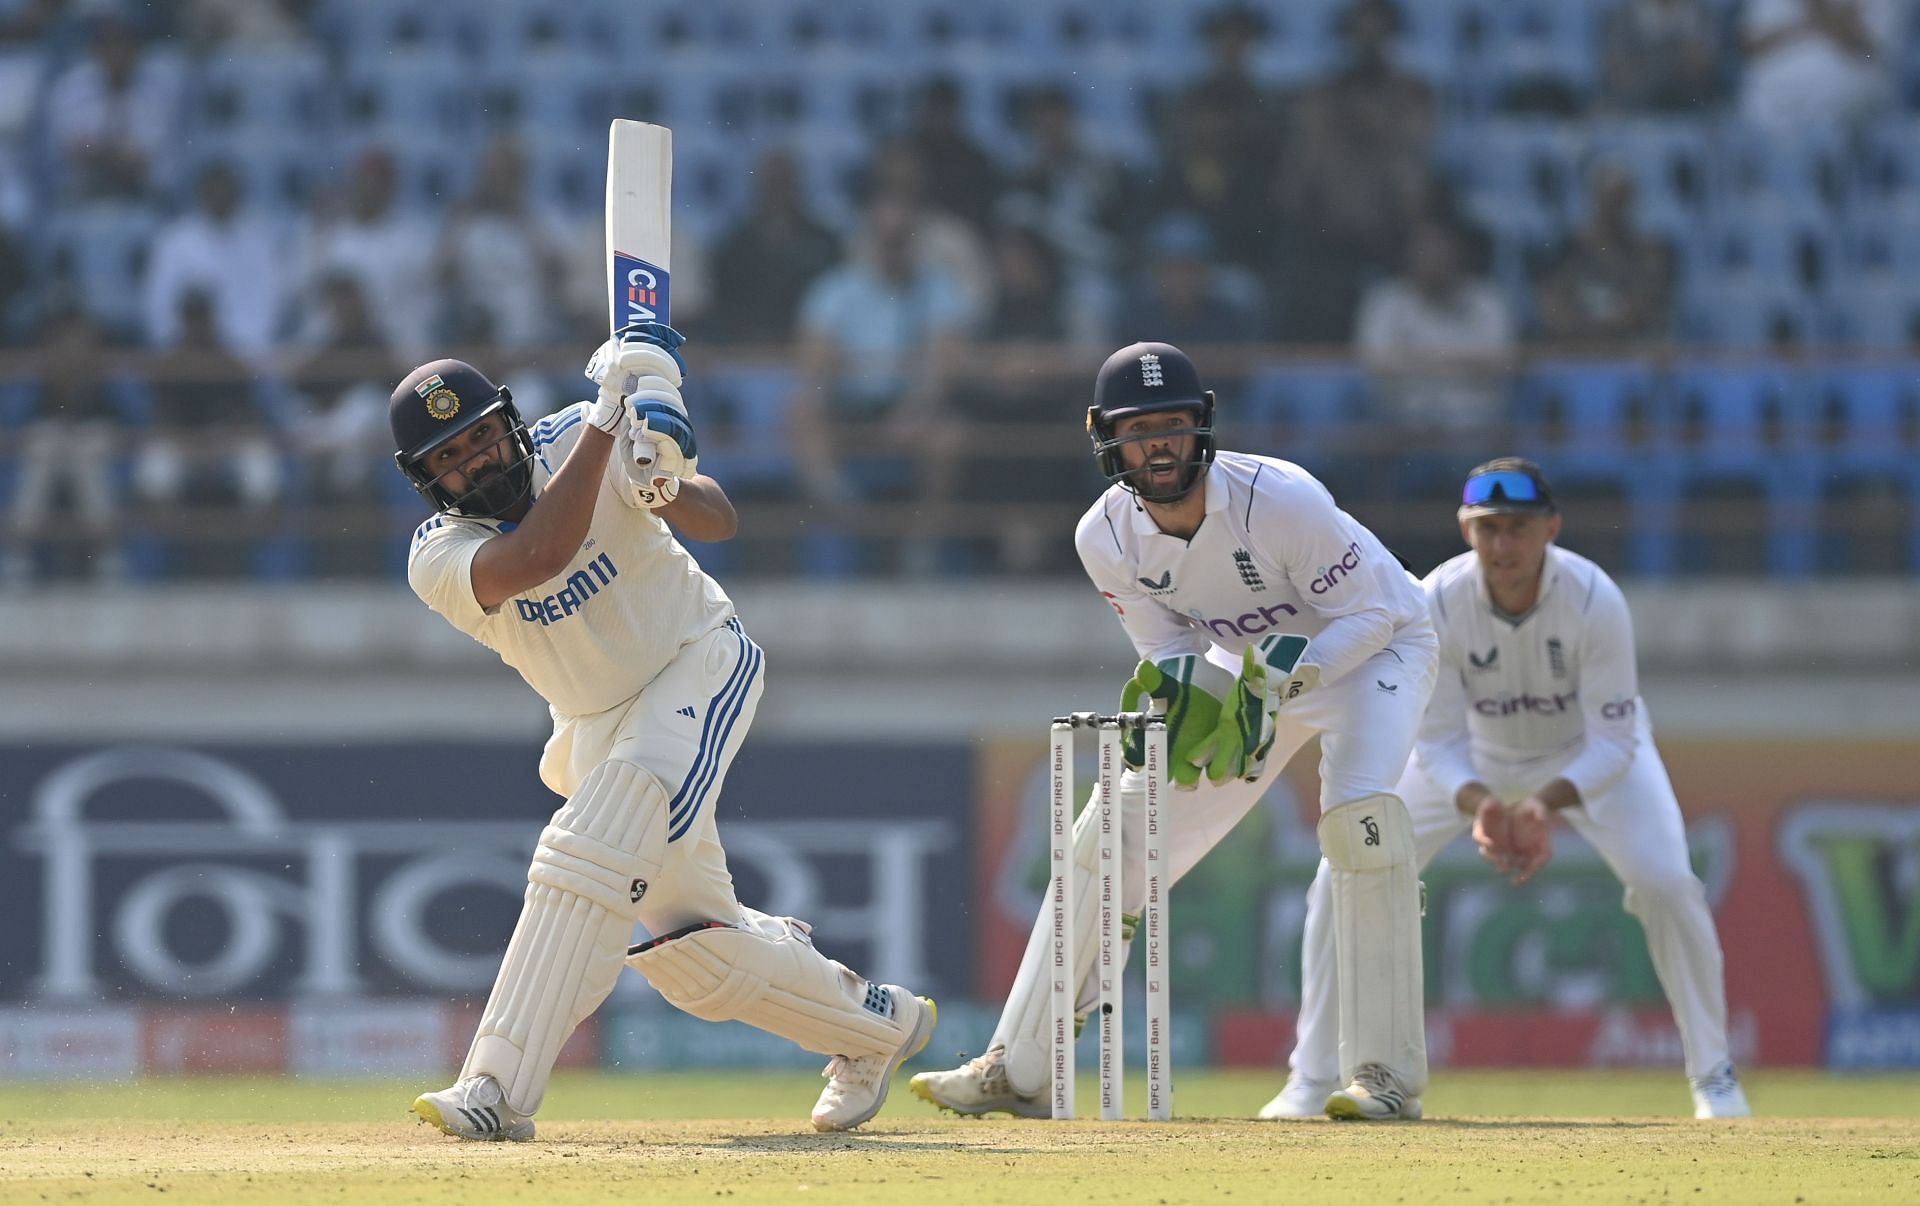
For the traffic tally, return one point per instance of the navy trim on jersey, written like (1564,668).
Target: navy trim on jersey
(1593,584)
(420,533)
(1253,492)
(543,435)
(1107,513)
(723,711)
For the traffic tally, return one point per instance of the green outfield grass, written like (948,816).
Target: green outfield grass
(1490,1137)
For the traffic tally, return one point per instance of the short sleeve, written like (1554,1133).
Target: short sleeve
(440,570)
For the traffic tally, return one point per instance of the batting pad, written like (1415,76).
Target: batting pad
(1024,1024)
(589,874)
(1376,937)
(765,972)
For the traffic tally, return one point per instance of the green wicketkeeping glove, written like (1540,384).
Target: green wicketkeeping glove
(1189,688)
(1271,673)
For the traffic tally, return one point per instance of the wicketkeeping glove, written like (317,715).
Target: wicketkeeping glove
(1246,731)
(1190,688)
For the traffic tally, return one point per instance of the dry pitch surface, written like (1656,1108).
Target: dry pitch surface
(1490,1137)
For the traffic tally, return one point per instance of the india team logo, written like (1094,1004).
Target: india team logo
(442,403)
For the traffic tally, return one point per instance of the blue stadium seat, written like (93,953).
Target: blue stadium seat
(1532,41)
(1605,424)
(553,96)
(422,92)
(1769,248)
(567,174)
(367,30)
(1306,404)
(103,248)
(1751,424)
(1753,313)
(749,444)
(1880,311)
(1871,428)
(284,91)
(1525,161)
(281,174)
(1811,172)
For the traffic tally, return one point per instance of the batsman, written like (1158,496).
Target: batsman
(1263,616)
(555,547)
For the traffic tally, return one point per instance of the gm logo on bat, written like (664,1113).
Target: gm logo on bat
(643,291)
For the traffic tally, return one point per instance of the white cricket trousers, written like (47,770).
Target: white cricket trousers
(1365,721)
(1635,826)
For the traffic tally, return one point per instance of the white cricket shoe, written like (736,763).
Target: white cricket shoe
(1374,1096)
(474,1109)
(1718,1094)
(857,1087)
(979,1086)
(1304,1097)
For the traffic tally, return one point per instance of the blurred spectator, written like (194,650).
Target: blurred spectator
(24,61)
(345,381)
(1815,63)
(1440,342)
(879,335)
(763,265)
(363,234)
(1249,117)
(499,264)
(231,256)
(1659,56)
(1187,298)
(898,173)
(1204,172)
(1015,403)
(70,440)
(1357,146)
(1028,298)
(245,24)
(111,116)
(1075,193)
(1611,283)
(961,178)
(208,442)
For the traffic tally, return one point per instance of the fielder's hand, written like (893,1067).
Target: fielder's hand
(1516,841)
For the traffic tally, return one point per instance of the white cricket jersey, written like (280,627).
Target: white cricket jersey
(597,632)
(1556,685)
(1274,554)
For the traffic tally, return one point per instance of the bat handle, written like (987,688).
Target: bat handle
(644,453)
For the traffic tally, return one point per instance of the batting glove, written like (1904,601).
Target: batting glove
(642,363)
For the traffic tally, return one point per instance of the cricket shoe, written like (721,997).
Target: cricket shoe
(1304,1097)
(1374,1096)
(857,1086)
(474,1109)
(1718,1094)
(979,1086)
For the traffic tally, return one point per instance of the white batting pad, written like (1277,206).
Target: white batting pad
(1376,936)
(1023,1024)
(765,972)
(590,871)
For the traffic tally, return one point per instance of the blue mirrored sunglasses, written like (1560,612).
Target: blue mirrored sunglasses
(1502,486)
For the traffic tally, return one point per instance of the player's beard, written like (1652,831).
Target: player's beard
(497,490)
(1145,485)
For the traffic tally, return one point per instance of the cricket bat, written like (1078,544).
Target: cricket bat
(639,222)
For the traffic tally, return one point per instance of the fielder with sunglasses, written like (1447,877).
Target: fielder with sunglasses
(1537,714)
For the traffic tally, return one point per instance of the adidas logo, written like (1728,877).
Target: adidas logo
(686,712)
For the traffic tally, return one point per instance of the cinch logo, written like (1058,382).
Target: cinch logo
(643,291)
(1538,705)
(1331,576)
(1619,709)
(581,586)
(1249,623)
